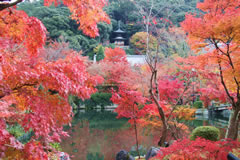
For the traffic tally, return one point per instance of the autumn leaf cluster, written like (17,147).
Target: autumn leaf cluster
(34,90)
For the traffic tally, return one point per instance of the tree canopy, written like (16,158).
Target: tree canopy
(33,90)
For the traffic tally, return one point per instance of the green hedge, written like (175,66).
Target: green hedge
(130,51)
(99,98)
(198,104)
(18,132)
(206,132)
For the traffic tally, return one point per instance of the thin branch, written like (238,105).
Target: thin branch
(233,68)
(179,98)
(224,85)
(217,47)
(18,87)
(4,5)
(230,62)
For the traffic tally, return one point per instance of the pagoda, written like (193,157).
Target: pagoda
(119,40)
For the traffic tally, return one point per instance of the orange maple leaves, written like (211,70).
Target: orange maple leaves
(33,92)
(115,55)
(36,96)
(16,28)
(217,32)
(221,22)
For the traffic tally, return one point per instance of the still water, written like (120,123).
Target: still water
(99,135)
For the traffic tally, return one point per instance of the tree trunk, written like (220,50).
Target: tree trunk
(156,99)
(164,135)
(233,126)
(164,123)
(136,136)
(135,129)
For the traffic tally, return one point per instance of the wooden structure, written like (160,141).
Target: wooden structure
(119,40)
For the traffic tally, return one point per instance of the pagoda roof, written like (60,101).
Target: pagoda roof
(119,31)
(119,38)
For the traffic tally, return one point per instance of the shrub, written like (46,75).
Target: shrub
(139,43)
(16,130)
(101,98)
(56,146)
(206,132)
(100,53)
(200,149)
(198,104)
(130,51)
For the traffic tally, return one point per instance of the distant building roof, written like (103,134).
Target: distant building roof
(119,31)
(136,59)
(119,38)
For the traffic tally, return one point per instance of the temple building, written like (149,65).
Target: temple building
(119,39)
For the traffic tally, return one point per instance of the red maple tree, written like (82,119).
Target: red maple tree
(216,32)
(34,92)
(200,149)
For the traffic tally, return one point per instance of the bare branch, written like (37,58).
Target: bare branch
(224,85)
(227,54)
(4,5)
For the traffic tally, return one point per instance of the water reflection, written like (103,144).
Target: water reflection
(99,135)
(218,121)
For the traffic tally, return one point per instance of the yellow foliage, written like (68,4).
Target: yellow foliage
(139,42)
(184,113)
(12,153)
(236,152)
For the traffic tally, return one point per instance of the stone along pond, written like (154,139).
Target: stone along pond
(100,135)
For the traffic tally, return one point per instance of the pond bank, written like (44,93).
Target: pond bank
(100,135)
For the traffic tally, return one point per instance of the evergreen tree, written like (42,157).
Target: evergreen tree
(100,53)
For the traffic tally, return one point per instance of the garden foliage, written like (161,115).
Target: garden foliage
(200,149)
(206,132)
(34,91)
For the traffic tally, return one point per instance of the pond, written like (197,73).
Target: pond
(218,121)
(100,135)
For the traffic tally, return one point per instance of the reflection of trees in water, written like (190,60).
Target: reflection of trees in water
(101,133)
(214,120)
(218,121)
(76,145)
